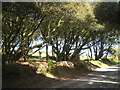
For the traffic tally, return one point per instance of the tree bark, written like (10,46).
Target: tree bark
(47,51)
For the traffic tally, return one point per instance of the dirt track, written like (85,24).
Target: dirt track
(102,78)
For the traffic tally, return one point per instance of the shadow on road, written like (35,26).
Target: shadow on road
(102,78)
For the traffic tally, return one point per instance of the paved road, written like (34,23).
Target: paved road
(102,78)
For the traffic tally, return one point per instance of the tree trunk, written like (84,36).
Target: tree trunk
(96,57)
(46,51)
(52,52)
(91,54)
(76,52)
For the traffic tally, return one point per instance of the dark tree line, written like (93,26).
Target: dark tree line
(68,27)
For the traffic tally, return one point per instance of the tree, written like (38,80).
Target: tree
(115,51)
(107,15)
(70,29)
(20,27)
(101,48)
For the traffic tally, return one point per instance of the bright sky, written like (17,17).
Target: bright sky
(50,47)
(43,49)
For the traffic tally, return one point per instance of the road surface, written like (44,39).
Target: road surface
(102,78)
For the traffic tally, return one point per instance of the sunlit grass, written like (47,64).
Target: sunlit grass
(0,50)
(50,75)
(99,63)
(43,54)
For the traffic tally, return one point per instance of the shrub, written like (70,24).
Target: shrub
(50,63)
(78,67)
(41,68)
(105,60)
(109,61)
(54,71)
(27,60)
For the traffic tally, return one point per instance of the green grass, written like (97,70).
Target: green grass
(115,63)
(99,63)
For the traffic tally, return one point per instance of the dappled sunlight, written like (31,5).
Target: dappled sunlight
(50,75)
(47,43)
(88,84)
(108,70)
(101,76)
(112,68)
(24,76)
(97,79)
(65,63)
(99,63)
(112,82)
(94,80)
(25,63)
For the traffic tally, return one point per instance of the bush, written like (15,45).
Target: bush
(54,71)
(105,60)
(78,67)
(50,63)
(41,68)
(109,61)
(44,69)
(28,60)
